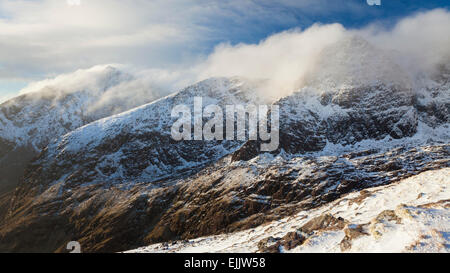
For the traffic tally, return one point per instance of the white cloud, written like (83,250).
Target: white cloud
(423,40)
(417,43)
(44,37)
(284,58)
(114,87)
(41,37)
(413,48)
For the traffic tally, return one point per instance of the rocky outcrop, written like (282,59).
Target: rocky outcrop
(275,245)
(323,222)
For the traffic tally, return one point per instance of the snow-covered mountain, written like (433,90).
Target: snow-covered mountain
(122,182)
(358,93)
(352,62)
(137,146)
(52,108)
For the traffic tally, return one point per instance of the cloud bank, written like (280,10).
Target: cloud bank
(44,36)
(413,50)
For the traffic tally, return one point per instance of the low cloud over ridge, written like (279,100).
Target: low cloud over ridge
(415,48)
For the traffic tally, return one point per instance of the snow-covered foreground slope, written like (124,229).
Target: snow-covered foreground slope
(412,215)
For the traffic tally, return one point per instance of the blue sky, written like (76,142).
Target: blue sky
(349,13)
(44,38)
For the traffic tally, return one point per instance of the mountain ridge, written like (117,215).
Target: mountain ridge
(31,120)
(122,182)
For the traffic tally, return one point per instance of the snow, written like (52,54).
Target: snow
(153,122)
(424,227)
(62,110)
(53,107)
(425,134)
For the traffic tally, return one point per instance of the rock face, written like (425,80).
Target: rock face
(346,117)
(358,94)
(433,102)
(136,146)
(275,245)
(122,182)
(409,216)
(220,198)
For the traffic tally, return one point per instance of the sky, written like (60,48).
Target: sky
(41,39)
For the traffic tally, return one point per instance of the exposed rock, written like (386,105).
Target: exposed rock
(248,151)
(292,240)
(402,211)
(363,194)
(274,245)
(323,222)
(352,232)
(220,198)
(379,224)
(269,245)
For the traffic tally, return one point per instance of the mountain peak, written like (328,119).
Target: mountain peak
(353,62)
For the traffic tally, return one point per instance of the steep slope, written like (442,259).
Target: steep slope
(53,108)
(411,215)
(122,182)
(433,97)
(137,145)
(221,198)
(357,93)
(131,148)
